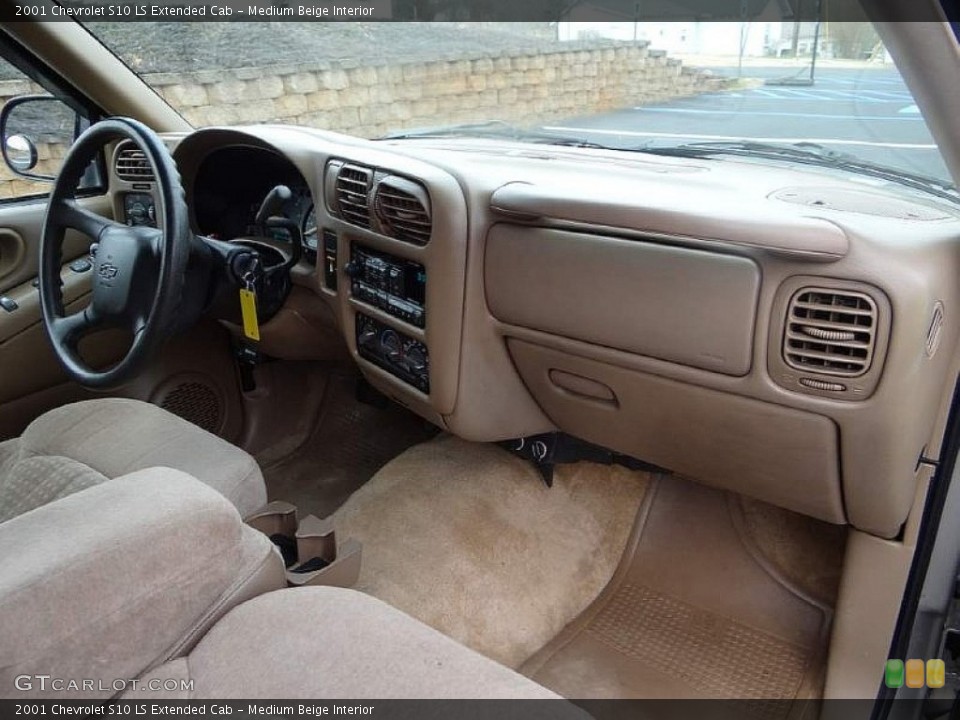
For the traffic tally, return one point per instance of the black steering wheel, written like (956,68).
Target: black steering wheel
(139,273)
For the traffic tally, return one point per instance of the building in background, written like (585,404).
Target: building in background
(754,39)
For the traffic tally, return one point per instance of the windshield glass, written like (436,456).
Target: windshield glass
(624,85)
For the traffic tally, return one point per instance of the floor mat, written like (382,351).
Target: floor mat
(697,610)
(350,442)
(468,538)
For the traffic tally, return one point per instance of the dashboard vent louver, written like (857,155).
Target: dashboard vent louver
(403,208)
(352,193)
(131,164)
(831,332)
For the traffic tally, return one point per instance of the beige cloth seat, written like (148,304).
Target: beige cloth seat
(322,643)
(117,578)
(76,446)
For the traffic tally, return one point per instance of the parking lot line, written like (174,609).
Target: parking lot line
(768,97)
(734,138)
(772,113)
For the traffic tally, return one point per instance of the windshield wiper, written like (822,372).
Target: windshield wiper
(495,129)
(810,154)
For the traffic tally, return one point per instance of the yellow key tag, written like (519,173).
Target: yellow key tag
(248,309)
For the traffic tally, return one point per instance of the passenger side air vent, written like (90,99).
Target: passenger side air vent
(830,332)
(403,208)
(131,164)
(353,193)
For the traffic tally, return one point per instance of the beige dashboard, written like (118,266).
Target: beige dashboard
(780,332)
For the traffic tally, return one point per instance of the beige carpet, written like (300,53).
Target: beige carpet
(467,538)
(806,552)
(700,609)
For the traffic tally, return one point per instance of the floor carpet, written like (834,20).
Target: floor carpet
(468,538)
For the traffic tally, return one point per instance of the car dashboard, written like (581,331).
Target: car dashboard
(764,328)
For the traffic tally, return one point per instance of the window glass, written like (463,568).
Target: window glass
(823,87)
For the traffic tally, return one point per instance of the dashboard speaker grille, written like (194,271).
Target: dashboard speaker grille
(352,193)
(831,332)
(403,208)
(131,164)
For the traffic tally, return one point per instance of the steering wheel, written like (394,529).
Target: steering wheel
(139,273)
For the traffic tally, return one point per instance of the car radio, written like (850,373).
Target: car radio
(395,285)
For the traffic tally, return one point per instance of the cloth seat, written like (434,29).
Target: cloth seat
(79,445)
(317,643)
(117,578)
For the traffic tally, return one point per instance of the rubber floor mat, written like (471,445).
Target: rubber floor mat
(694,611)
(350,442)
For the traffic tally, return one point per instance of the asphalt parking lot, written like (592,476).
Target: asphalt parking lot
(866,112)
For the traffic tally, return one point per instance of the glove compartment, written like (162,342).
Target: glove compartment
(683,305)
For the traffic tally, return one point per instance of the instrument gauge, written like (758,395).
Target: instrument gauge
(309,228)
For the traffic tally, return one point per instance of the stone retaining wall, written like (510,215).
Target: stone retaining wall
(372,100)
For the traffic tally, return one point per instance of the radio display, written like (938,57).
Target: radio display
(395,285)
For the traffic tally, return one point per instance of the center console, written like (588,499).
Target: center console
(397,287)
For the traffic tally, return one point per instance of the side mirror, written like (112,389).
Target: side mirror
(35,133)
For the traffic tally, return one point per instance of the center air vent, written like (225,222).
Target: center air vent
(830,332)
(352,194)
(403,208)
(131,164)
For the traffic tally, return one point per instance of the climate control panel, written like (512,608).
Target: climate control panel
(400,355)
(139,209)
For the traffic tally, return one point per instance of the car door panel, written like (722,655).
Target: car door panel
(20,226)
(28,365)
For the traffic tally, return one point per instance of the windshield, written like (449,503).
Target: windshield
(624,85)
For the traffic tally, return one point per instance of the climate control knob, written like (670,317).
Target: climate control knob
(390,344)
(415,358)
(367,336)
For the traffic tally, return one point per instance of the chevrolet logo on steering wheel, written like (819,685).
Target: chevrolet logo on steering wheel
(106,271)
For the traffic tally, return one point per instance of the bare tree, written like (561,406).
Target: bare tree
(852,39)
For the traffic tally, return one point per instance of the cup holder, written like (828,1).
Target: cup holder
(309,547)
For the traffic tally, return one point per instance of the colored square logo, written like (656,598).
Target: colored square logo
(915,673)
(893,674)
(936,673)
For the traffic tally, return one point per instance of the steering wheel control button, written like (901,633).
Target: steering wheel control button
(8,303)
(81,266)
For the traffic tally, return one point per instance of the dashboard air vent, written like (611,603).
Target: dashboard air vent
(131,164)
(832,332)
(403,208)
(352,192)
